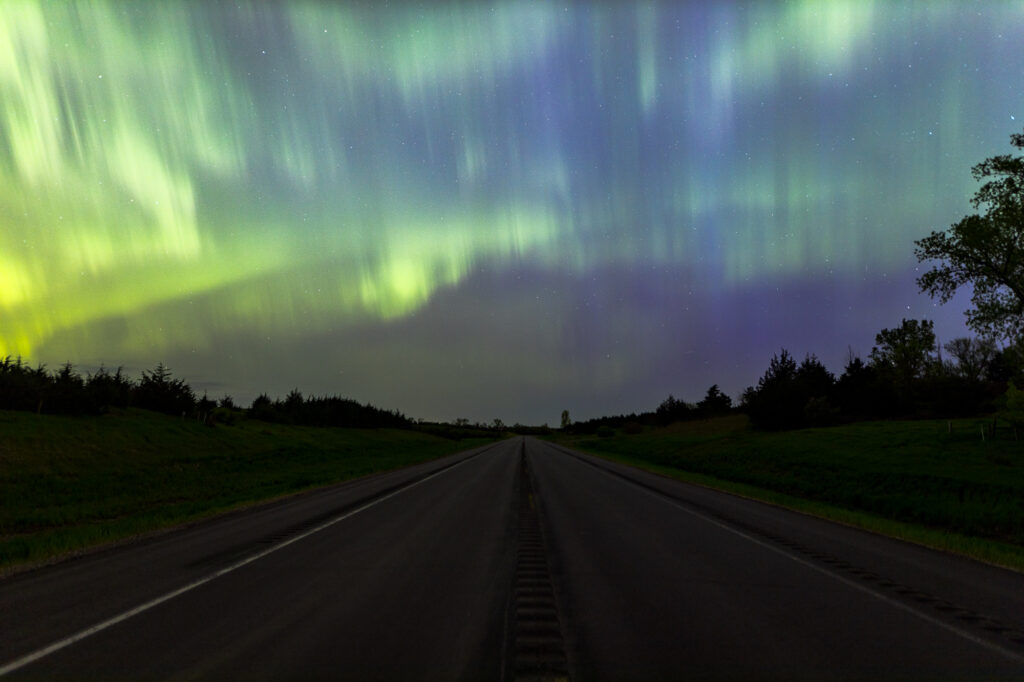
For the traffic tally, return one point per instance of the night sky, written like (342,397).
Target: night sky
(485,210)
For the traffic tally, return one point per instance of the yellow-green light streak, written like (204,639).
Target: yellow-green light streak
(188,169)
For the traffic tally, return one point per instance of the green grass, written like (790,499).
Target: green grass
(70,483)
(910,479)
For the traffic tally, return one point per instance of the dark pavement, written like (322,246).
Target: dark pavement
(660,580)
(441,571)
(414,587)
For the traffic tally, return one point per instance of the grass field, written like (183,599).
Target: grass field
(68,483)
(932,482)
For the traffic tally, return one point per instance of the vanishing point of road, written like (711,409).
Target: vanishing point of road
(518,560)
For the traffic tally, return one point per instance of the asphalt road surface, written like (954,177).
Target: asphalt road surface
(515,560)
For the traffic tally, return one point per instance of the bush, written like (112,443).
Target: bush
(632,428)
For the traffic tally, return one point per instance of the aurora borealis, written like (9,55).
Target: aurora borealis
(485,210)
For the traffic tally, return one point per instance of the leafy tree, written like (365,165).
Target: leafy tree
(715,402)
(985,250)
(1008,365)
(906,351)
(566,422)
(973,356)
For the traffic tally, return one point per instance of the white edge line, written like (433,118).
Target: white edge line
(99,627)
(1013,655)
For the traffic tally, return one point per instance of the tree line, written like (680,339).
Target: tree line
(331,410)
(714,404)
(66,392)
(906,374)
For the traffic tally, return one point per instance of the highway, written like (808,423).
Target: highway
(519,560)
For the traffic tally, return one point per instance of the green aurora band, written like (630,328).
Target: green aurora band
(181,171)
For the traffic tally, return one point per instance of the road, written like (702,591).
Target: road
(511,560)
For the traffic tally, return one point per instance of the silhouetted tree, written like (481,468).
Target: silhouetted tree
(565,419)
(611,423)
(324,411)
(906,350)
(781,371)
(671,410)
(790,396)
(292,409)
(747,397)
(66,392)
(1007,366)
(777,403)
(261,401)
(973,356)
(715,402)
(963,387)
(986,251)
(22,387)
(160,392)
(813,379)
(862,392)
(106,390)
(814,386)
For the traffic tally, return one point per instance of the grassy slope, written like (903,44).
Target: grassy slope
(69,483)
(913,480)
